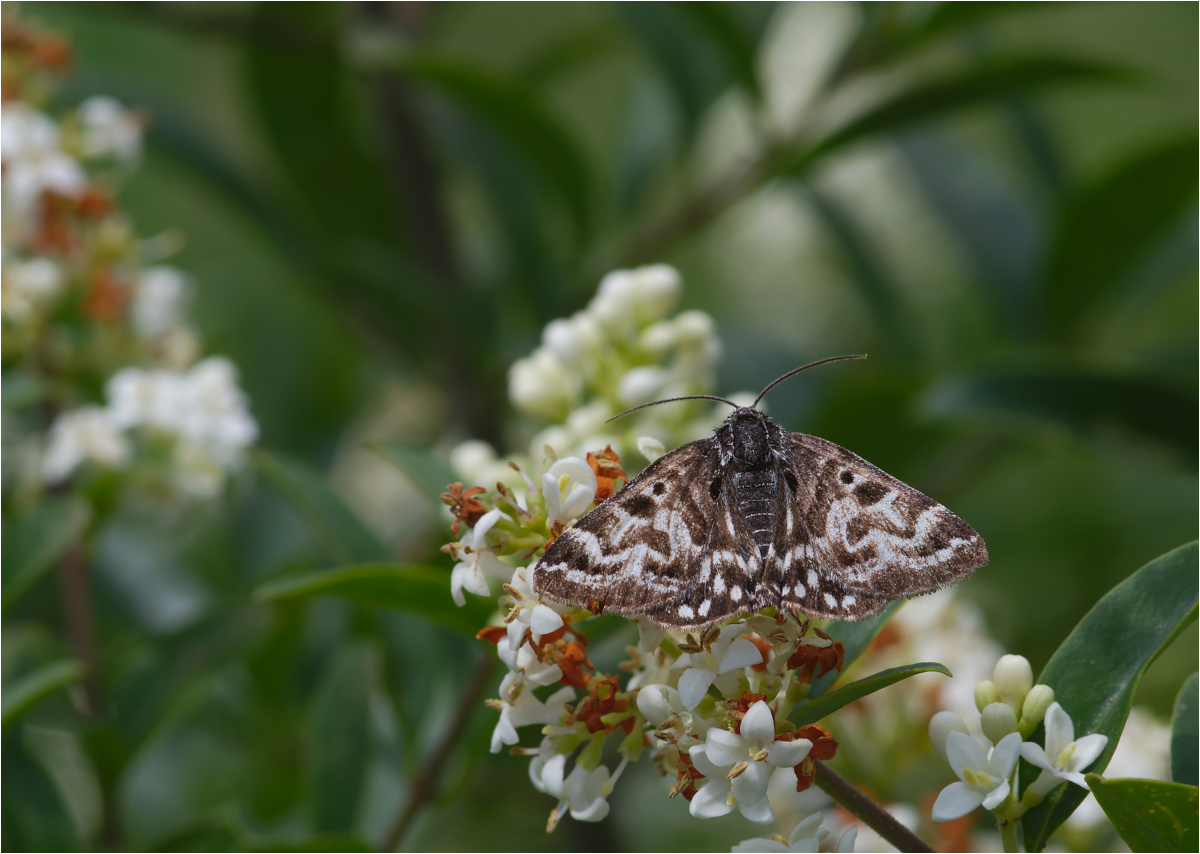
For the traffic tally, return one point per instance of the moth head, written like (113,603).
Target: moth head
(749,429)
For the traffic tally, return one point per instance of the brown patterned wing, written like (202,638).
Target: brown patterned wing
(860,538)
(666,546)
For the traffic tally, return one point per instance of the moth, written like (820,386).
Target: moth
(754,517)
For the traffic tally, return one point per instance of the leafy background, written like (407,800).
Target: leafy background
(383,205)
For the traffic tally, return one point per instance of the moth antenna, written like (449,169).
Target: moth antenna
(672,400)
(792,373)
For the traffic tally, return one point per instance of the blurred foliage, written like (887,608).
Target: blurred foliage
(385,203)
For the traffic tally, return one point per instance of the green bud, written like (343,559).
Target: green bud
(986,694)
(1037,701)
(998,720)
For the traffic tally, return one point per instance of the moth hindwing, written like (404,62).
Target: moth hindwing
(753,517)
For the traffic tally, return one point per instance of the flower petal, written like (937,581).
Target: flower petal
(545,620)
(1087,749)
(712,800)
(1033,754)
(1060,731)
(741,653)
(725,748)
(955,801)
(788,754)
(1004,755)
(693,684)
(962,751)
(759,722)
(996,796)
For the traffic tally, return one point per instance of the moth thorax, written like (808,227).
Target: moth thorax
(750,442)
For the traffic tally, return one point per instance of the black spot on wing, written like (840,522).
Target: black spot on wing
(870,492)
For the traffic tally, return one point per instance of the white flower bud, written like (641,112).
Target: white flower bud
(656,289)
(1013,678)
(1037,701)
(542,385)
(997,720)
(986,694)
(470,458)
(694,326)
(650,448)
(940,727)
(658,339)
(658,702)
(640,385)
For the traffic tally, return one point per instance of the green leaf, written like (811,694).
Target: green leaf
(421,590)
(1185,743)
(547,147)
(303,98)
(977,85)
(322,842)
(341,535)
(32,543)
(812,711)
(855,638)
(1150,815)
(36,814)
(1110,225)
(430,473)
(1087,402)
(32,688)
(737,46)
(1097,669)
(338,740)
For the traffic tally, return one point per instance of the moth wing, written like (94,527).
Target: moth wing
(640,552)
(800,587)
(862,533)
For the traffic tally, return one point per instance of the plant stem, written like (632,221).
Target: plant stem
(73,575)
(1008,835)
(423,787)
(867,811)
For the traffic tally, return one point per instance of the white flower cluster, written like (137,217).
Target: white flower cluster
(201,413)
(713,711)
(622,350)
(79,300)
(41,155)
(1010,709)
(671,696)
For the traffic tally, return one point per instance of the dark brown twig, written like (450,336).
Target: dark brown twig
(423,787)
(866,810)
(73,577)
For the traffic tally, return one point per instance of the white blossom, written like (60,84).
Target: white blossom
(110,130)
(529,611)
(728,653)
(569,488)
(88,433)
(159,299)
(1064,757)
(983,775)
(33,161)
(806,836)
(585,793)
(520,708)
(478,562)
(739,765)
(29,286)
